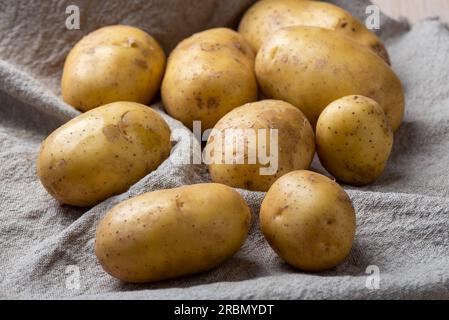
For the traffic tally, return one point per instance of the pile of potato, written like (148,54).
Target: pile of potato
(328,86)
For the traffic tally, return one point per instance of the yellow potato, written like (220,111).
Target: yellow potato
(308,220)
(354,140)
(294,148)
(208,75)
(268,16)
(311,67)
(114,63)
(103,152)
(172,233)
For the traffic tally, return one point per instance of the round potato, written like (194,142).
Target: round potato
(114,63)
(354,140)
(208,75)
(257,143)
(308,220)
(172,233)
(311,67)
(102,153)
(268,16)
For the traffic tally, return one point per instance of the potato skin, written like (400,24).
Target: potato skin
(114,63)
(354,140)
(172,233)
(102,153)
(308,220)
(268,16)
(296,143)
(311,67)
(208,75)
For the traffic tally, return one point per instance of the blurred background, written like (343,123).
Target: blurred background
(415,10)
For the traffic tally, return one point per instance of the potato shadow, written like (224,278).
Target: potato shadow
(407,150)
(73,212)
(241,268)
(354,265)
(407,140)
(234,270)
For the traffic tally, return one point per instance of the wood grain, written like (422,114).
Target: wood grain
(415,10)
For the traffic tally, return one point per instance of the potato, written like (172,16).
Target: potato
(311,67)
(354,140)
(172,233)
(291,148)
(102,152)
(114,63)
(308,220)
(208,75)
(268,16)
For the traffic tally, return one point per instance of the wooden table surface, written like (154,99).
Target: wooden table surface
(415,10)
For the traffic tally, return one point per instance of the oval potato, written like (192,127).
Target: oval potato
(268,16)
(172,233)
(308,220)
(294,149)
(208,75)
(114,63)
(102,152)
(354,140)
(311,67)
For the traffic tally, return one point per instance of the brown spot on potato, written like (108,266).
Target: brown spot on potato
(141,63)
(199,102)
(145,52)
(321,63)
(179,204)
(248,184)
(112,132)
(280,211)
(273,53)
(238,45)
(131,42)
(208,47)
(212,103)
(379,48)
(237,60)
(312,179)
(62,163)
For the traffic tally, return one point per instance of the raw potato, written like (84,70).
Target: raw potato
(208,75)
(268,16)
(103,152)
(296,144)
(114,63)
(311,67)
(172,233)
(308,220)
(354,140)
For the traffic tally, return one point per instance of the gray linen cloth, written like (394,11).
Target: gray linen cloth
(46,249)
